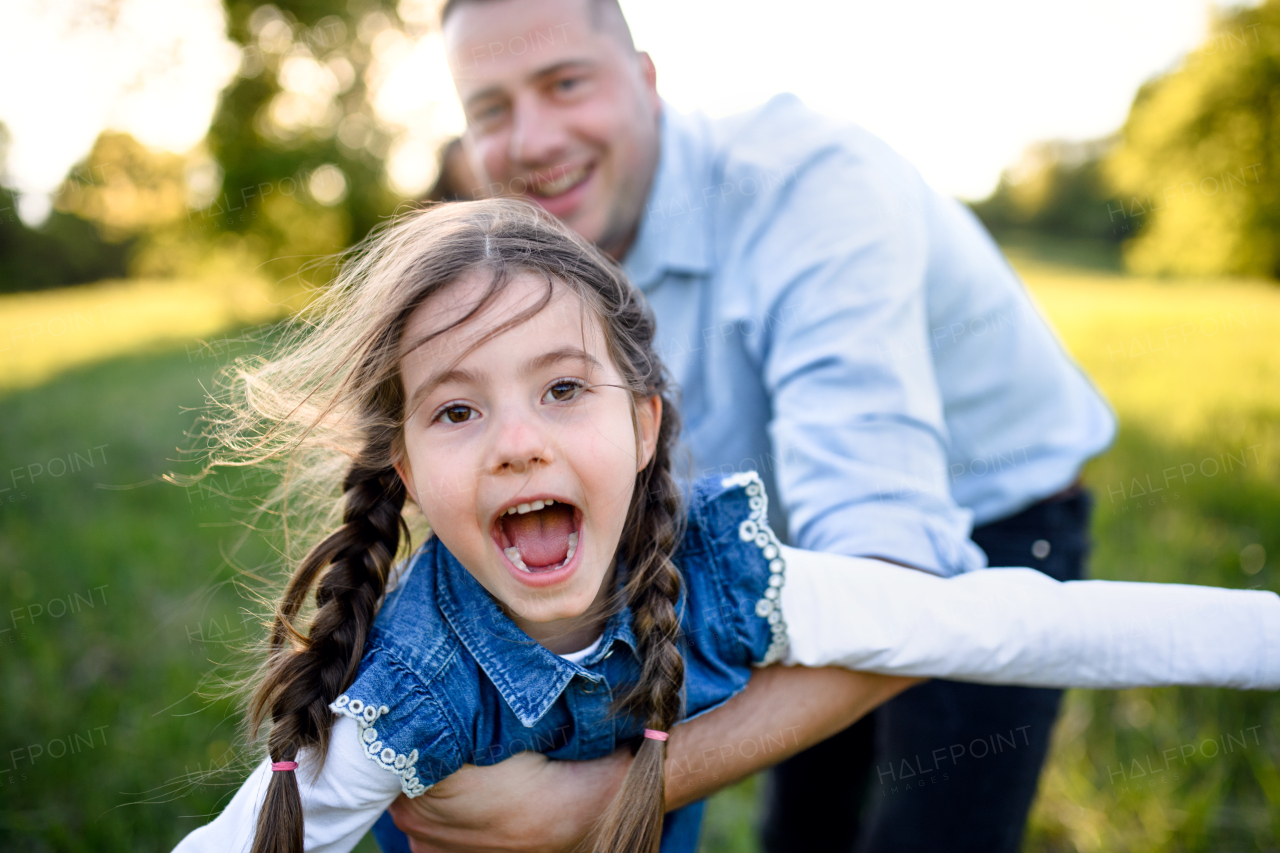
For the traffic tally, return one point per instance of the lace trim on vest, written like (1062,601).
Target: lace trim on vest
(756,529)
(374,749)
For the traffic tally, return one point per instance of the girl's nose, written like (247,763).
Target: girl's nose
(520,444)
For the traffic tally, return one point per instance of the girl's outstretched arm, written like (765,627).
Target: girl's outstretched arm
(339,807)
(1019,626)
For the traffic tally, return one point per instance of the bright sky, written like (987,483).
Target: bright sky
(74,67)
(959,88)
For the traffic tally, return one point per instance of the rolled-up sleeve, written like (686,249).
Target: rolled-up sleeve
(857,419)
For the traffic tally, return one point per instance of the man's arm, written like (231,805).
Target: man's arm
(497,808)
(835,279)
(803,706)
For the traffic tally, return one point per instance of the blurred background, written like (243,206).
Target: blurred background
(174,174)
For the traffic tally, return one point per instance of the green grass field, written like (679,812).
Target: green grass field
(123,595)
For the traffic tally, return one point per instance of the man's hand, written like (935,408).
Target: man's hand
(529,803)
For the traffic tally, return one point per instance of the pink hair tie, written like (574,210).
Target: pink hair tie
(277,766)
(656,735)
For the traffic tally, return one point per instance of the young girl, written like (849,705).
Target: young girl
(485,363)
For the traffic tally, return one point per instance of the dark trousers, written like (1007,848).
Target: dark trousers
(944,766)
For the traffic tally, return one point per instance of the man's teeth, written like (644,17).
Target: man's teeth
(529,507)
(513,554)
(546,189)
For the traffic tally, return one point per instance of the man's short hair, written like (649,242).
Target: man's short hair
(606,16)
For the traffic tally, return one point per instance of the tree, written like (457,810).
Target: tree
(66,249)
(1058,188)
(1195,172)
(299,151)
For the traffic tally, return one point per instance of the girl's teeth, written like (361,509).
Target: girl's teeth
(513,554)
(532,506)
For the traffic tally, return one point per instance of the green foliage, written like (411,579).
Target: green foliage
(291,171)
(1059,189)
(1196,169)
(1189,185)
(269,138)
(64,250)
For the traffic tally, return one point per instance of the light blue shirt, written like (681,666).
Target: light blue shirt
(855,337)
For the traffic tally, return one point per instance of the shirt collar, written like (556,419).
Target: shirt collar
(528,677)
(675,230)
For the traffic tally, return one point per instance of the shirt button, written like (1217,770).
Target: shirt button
(589,687)
(1040,549)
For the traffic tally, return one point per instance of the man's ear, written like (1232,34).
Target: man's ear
(648,69)
(401,464)
(650,74)
(648,423)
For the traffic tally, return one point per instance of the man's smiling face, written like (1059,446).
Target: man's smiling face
(560,109)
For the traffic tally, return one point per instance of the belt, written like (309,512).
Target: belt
(1071,491)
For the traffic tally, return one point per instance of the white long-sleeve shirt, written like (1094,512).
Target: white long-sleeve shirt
(1001,626)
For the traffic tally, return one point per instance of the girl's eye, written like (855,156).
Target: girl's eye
(456,413)
(562,391)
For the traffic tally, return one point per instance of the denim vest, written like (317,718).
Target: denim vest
(448,679)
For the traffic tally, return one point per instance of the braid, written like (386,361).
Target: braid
(633,822)
(653,591)
(303,674)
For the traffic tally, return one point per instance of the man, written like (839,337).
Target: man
(856,338)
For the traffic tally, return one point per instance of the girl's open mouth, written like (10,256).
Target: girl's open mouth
(539,539)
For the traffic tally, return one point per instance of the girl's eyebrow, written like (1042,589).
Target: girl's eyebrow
(453,374)
(542,362)
(554,357)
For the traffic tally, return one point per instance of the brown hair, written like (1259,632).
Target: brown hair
(606,16)
(330,406)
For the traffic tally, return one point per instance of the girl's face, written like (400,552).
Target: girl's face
(523,453)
